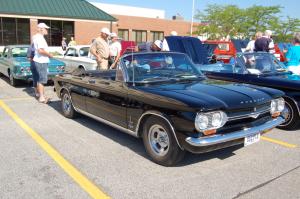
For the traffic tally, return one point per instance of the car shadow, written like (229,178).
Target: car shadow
(136,145)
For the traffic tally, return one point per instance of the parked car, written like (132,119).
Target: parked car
(77,57)
(262,69)
(172,107)
(224,50)
(15,65)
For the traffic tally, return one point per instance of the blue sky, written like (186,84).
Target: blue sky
(183,7)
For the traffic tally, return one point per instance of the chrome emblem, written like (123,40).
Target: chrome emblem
(254,109)
(255,116)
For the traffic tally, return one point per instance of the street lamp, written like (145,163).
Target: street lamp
(192,22)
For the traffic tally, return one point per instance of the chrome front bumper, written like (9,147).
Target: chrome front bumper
(222,138)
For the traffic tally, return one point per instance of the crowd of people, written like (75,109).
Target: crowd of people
(263,42)
(107,53)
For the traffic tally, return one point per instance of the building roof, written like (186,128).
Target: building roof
(77,9)
(129,10)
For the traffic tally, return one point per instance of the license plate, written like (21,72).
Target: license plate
(251,139)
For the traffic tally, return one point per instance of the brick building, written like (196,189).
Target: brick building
(82,20)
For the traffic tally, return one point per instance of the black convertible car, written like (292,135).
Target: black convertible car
(164,99)
(262,69)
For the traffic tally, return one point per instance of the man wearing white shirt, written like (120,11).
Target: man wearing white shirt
(114,50)
(41,59)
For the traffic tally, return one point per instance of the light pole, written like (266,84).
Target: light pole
(192,22)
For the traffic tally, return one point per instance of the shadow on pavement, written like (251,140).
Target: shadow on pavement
(137,145)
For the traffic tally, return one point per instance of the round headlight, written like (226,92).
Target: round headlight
(201,122)
(216,119)
(273,106)
(280,104)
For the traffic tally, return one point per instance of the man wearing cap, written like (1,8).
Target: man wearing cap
(100,50)
(41,60)
(114,50)
(151,46)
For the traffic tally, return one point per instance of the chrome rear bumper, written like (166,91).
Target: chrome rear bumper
(222,138)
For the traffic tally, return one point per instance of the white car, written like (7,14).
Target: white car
(77,57)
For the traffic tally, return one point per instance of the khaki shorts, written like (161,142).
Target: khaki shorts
(102,65)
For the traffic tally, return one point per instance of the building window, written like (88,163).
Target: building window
(139,36)
(155,35)
(14,31)
(123,33)
(58,30)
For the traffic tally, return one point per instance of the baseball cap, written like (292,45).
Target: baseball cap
(105,31)
(173,33)
(158,43)
(113,34)
(43,25)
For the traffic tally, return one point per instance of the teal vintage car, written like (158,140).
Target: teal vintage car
(15,65)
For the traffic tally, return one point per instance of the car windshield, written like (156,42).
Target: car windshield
(153,67)
(19,52)
(84,52)
(261,62)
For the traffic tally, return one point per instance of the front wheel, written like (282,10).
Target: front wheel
(160,142)
(12,81)
(291,116)
(67,106)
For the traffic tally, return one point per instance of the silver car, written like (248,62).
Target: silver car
(77,57)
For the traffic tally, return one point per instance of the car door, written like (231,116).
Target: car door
(69,59)
(107,99)
(5,61)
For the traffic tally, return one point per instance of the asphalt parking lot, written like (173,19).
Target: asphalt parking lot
(45,155)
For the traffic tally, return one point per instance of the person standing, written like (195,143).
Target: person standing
(265,43)
(100,49)
(72,42)
(115,49)
(251,45)
(30,56)
(64,44)
(293,55)
(41,59)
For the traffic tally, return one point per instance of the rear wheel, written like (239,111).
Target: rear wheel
(291,115)
(67,106)
(160,142)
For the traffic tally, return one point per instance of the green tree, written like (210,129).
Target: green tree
(284,29)
(223,20)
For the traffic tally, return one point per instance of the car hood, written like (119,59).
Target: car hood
(214,94)
(23,61)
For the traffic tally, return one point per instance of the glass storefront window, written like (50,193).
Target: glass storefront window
(123,33)
(139,36)
(9,31)
(156,35)
(23,31)
(58,30)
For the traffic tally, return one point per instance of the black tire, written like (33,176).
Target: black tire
(164,150)
(12,81)
(67,106)
(81,69)
(291,115)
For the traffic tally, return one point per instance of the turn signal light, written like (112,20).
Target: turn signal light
(210,132)
(274,115)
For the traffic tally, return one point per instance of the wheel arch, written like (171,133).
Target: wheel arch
(293,101)
(149,113)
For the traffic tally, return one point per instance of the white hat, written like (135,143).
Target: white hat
(158,43)
(173,33)
(113,34)
(105,31)
(43,25)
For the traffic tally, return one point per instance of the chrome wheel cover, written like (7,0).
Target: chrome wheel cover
(287,114)
(66,103)
(159,140)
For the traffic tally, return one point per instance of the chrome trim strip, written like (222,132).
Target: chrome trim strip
(222,138)
(248,115)
(159,115)
(107,122)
